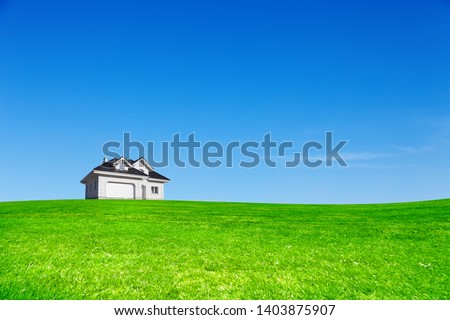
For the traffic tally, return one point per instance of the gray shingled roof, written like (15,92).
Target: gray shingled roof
(109,167)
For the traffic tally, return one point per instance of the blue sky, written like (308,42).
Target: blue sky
(76,74)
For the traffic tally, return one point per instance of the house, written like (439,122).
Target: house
(124,179)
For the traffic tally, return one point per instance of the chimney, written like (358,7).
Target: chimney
(105,159)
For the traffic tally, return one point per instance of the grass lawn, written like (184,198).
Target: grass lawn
(94,249)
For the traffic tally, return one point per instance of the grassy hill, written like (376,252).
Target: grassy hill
(79,249)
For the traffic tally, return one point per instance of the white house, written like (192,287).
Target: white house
(124,179)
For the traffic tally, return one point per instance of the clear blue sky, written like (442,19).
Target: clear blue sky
(75,74)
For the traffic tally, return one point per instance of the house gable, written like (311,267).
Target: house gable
(142,165)
(122,164)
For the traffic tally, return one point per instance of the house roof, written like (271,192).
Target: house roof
(110,167)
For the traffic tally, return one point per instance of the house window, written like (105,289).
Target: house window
(155,190)
(95,185)
(90,187)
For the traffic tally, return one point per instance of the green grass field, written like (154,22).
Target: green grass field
(94,249)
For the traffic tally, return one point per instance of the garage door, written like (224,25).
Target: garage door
(119,190)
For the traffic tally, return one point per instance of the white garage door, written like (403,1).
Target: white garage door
(119,190)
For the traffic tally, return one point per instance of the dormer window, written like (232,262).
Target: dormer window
(121,166)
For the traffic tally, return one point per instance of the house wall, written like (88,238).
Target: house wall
(101,187)
(91,188)
(148,188)
(138,183)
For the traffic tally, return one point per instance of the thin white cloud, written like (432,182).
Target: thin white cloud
(372,166)
(365,155)
(415,150)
